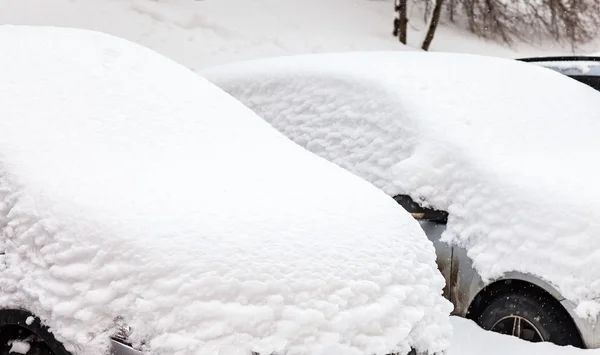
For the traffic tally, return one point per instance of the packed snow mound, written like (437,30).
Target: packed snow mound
(131,187)
(507,148)
(469,339)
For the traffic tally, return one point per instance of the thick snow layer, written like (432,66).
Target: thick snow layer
(469,339)
(131,187)
(507,148)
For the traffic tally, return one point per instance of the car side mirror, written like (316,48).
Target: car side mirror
(421,213)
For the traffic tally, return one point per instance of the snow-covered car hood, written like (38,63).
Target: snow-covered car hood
(132,187)
(507,148)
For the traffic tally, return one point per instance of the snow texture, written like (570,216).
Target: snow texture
(132,189)
(507,148)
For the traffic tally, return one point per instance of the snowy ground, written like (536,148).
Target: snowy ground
(469,339)
(203,33)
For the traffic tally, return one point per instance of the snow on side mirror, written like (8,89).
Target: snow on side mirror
(421,213)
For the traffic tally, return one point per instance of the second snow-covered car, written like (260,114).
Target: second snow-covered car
(144,210)
(585,69)
(495,157)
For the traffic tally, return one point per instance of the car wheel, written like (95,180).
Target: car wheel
(22,333)
(531,317)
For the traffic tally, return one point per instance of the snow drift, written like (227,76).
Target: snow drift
(469,339)
(131,187)
(507,148)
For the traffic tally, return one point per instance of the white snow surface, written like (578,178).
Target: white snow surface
(131,187)
(507,148)
(470,339)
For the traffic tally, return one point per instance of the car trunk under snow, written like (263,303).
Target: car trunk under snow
(133,189)
(507,149)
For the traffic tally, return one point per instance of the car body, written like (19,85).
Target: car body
(585,69)
(479,150)
(138,219)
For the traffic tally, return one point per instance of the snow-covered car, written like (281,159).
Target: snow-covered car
(585,69)
(495,157)
(144,210)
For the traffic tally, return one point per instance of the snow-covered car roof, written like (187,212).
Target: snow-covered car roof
(132,187)
(507,148)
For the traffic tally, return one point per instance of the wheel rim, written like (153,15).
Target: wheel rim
(519,327)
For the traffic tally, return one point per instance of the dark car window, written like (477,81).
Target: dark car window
(585,69)
(574,68)
(586,72)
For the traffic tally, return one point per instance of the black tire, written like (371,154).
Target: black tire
(14,325)
(515,310)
